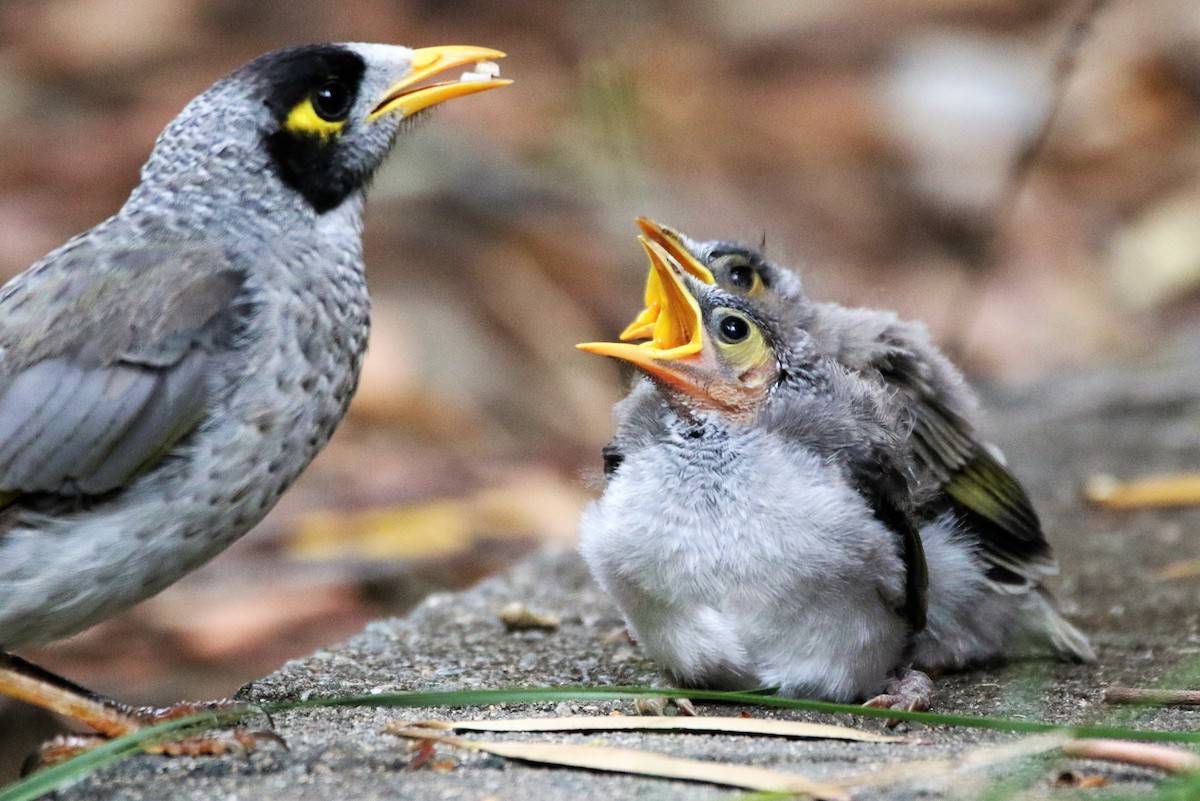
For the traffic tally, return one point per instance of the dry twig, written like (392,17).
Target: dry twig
(1140,697)
(1146,755)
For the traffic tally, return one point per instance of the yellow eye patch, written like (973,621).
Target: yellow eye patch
(304,120)
(739,340)
(735,275)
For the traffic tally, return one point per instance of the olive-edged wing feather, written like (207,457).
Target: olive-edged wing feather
(991,503)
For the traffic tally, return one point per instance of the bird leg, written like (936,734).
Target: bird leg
(911,691)
(27,682)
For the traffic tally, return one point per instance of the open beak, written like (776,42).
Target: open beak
(406,98)
(675,352)
(672,243)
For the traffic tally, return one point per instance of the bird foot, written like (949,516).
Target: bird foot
(911,691)
(657,705)
(237,741)
(110,719)
(149,715)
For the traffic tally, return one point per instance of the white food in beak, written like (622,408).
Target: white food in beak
(484,71)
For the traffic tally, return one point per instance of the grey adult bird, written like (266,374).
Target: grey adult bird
(761,526)
(166,375)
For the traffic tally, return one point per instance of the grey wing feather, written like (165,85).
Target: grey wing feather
(58,435)
(105,354)
(992,504)
(22,395)
(88,427)
(177,404)
(30,402)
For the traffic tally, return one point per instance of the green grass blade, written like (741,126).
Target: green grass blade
(459,698)
(47,780)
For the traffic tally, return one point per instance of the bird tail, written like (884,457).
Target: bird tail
(1047,625)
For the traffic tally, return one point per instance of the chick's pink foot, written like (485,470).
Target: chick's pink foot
(911,691)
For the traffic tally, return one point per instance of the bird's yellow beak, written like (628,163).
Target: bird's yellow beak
(406,98)
(643,326)
(677,332)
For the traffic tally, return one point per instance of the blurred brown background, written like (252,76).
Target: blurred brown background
(866,140)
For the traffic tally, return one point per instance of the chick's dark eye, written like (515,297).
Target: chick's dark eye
(331,101)
(742,276)
(733,329)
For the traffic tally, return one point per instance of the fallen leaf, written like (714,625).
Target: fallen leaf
(422,753)
(516,616)
(421,531)
(933,770)
(1108,492)
(642,763)
(711,725)
(1183,569)
(1069,778)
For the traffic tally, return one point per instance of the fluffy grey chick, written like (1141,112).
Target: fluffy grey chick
(937,408)
(166,375)
(642,539)
(757,531)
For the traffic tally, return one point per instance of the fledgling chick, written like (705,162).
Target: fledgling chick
(759,528)
(937,407)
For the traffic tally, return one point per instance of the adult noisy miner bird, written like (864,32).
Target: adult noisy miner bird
(767,520)
(166,375)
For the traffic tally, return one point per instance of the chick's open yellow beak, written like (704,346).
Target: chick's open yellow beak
(406,98)
(669,241)
(677,331)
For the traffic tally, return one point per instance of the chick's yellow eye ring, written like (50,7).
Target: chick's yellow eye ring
(740,341)
(734,274)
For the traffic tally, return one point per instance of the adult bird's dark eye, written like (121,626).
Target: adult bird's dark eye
(734,329)
(742,276)
(331,101)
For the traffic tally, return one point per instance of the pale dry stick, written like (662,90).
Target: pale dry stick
(638,762)
(1146,755)
(1135,696)
(767,727)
